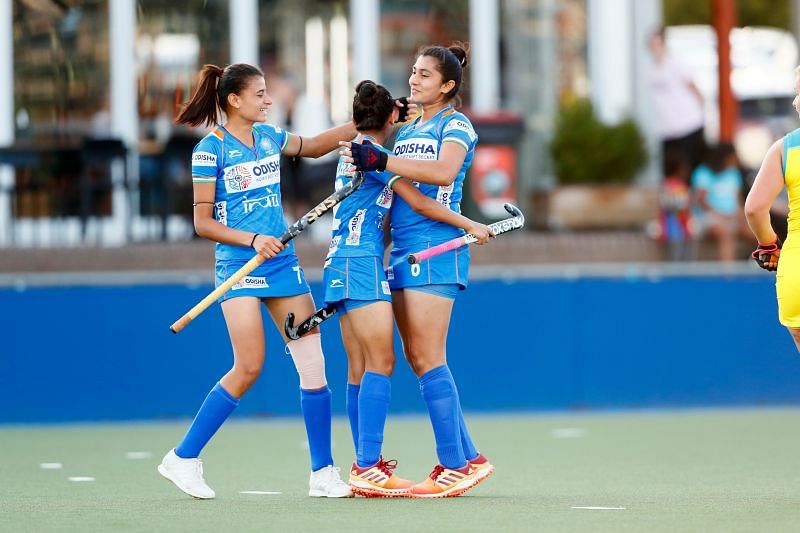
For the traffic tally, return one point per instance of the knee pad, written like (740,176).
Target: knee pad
(309,361)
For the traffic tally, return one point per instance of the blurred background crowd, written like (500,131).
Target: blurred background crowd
(616,118)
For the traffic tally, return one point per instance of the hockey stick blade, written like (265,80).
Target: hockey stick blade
(501,226)
(320,316)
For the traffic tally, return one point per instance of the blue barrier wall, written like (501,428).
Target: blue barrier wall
(105,352)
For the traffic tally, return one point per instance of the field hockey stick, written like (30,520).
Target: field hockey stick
(501,226)
(295,332)
(293,231)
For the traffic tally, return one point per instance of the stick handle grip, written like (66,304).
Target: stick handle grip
(203,304)
(452,244)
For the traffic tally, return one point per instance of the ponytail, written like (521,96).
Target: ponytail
(202,106)
(211,94)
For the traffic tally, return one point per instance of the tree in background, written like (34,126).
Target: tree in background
(774,13)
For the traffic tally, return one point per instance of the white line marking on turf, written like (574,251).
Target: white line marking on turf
(269,492)
(81,478)
(138,455)
(569,433)
(51,466)
(602,508)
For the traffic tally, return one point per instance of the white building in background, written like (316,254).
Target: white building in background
(133,60)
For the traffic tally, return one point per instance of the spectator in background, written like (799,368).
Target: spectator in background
(716,191)
(675,208)
(678,103)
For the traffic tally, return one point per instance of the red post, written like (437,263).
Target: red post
(724,19)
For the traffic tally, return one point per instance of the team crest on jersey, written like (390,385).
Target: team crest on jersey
(251,282)
(267,147)
(419,149)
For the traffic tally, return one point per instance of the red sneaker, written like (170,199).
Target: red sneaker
(483,468)
(445,482)
(378,480)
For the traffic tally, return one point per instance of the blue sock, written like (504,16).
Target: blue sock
(216,408)
(466,441)
(373,406)
(352,411)
(470,452)
(440,394)
(316,405)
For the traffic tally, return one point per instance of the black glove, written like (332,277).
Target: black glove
(765,252)
(367,157)
(403,110)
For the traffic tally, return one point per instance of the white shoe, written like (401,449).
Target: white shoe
(187,474)
(326,483)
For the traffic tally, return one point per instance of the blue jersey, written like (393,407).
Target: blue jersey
(248,183)
(357,229)
(423,141)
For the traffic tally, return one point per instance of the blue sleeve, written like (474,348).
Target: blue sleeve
(206,160)
(458,129)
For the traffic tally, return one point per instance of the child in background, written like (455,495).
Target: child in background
(674,208)
(717,189)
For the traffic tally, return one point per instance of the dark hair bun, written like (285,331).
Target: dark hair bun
(367,90)
(461,54)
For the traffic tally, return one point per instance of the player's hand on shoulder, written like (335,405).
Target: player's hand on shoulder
(408,109)
(767,255)
(267,245)
(481,231)
(365,156)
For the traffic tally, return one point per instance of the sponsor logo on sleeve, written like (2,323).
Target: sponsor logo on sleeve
(460,125)
(204,159)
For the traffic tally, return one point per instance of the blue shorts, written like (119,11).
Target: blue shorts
(449,290)
(274,278)
(355,278)
(448,268)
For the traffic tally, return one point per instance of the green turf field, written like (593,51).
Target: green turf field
(670,471)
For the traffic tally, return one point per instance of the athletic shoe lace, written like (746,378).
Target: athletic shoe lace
(437,471)
(386,466)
